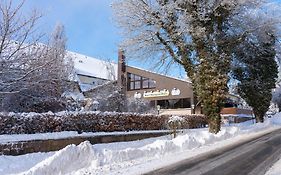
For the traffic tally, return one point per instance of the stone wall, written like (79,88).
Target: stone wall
(30,123)
(25,147)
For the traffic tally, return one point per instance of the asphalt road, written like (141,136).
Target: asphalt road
(253,157)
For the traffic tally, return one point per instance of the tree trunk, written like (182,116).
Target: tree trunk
(259,118)
(214,123)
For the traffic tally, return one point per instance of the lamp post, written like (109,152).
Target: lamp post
(192,109)
(158,109)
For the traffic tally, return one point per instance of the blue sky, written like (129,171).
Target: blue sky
(88,23)
(89,26)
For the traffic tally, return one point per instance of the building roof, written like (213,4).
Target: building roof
(89,66)
(93,67)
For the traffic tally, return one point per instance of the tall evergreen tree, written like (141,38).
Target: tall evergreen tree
(257,72)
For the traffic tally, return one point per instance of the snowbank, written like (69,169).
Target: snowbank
(110,157)
(69,159)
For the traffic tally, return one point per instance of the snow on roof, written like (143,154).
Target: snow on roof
(93,67)
(89,66)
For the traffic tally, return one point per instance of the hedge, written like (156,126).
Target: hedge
(30,123)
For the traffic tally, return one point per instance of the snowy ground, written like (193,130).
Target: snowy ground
(135,157)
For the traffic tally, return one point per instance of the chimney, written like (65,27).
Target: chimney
(121,69)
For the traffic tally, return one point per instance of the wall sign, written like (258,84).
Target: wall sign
(175,91)
(161,93)
(137,95)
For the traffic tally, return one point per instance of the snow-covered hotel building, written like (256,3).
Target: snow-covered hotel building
(172,95)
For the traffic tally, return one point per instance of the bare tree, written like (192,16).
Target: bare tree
(16,45)
(60,68)
(33,75)
(111,71)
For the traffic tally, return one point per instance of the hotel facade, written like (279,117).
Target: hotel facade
(170,95)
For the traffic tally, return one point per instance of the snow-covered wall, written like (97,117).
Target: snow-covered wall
(29,123)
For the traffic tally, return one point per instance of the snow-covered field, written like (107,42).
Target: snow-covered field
(136,157)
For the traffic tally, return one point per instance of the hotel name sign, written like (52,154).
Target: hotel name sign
(158,93)
(162,93)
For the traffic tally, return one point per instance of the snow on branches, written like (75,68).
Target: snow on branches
(32,75)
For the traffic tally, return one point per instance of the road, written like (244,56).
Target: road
(251,157)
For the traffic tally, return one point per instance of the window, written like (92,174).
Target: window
(230,103)
(145,83)
(138,82)
(134,82)
(174,103)
(152,83)
(137,78)
(183,103)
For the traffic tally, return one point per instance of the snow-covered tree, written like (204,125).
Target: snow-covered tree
(60,68)
(139,106)
(257,72)
(51,81)
(199,35)
(110,69)
(32,75)
(15,44)
(109,97)
(255,58)
(175,123)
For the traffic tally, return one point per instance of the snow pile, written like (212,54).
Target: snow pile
(69,159)
(85,156)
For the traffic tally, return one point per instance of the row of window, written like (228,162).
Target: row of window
(136,82)
(174,103)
